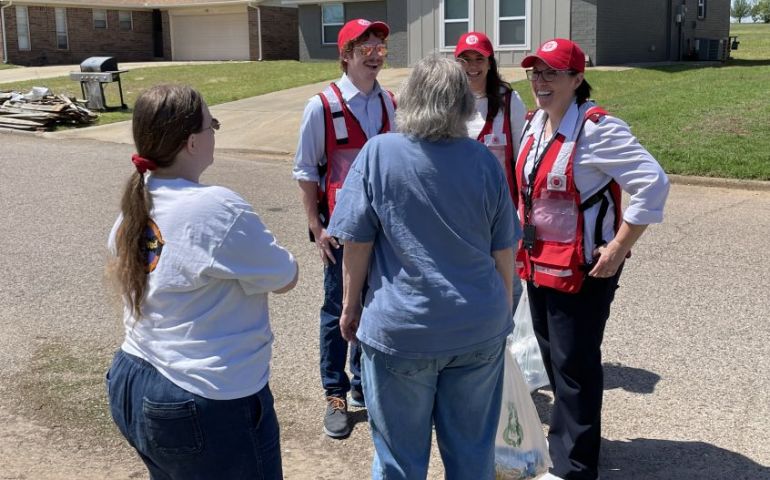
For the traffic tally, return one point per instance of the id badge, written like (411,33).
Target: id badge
(528,238)
(494,140)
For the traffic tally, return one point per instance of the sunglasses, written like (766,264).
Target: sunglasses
(546,75)
(214,125)
(366,50)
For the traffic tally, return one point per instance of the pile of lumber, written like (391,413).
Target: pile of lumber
(42,114)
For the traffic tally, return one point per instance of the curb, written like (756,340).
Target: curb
(731,183)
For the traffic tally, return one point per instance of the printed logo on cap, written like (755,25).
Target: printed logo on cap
(549,46)
(471,39)
(364,23)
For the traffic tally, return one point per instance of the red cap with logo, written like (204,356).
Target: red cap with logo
(357,27)
(559,54)
(476,41)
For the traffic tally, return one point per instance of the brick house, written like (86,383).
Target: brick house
(48,32)
(610,31)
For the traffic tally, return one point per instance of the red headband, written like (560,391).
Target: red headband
(143,164)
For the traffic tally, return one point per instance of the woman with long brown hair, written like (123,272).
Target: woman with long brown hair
(194,264)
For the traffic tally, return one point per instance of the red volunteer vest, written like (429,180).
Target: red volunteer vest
(552,204)
(344,139)
(504,153)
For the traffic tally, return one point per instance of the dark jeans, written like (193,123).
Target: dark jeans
(180,435)
(569,329)
(334,348)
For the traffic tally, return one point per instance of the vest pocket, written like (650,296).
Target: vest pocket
(555,216)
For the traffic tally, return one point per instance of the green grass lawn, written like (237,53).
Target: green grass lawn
(218,83)
(697,120)
(4,66)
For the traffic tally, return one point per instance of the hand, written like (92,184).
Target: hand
(608,258)
(349,321)
(325,244)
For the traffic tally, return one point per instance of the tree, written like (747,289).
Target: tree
(760,12)
(740,9)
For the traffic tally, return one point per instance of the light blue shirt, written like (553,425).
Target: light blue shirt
(311,146)
(435,211)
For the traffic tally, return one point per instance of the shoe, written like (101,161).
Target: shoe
(336,419)
(357,399)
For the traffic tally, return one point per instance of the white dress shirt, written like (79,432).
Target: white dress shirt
(517,114)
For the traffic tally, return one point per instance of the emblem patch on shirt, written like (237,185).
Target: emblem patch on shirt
(152,245)
(557,182)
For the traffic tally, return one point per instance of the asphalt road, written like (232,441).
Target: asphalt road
(686,349)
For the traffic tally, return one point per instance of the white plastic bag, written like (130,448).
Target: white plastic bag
(520,448)
(525,347)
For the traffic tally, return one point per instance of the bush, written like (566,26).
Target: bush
(760,12)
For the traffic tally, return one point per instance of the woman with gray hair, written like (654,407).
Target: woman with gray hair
(427,221)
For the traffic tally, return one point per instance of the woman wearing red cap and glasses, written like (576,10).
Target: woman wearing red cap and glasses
(574,161)
(194,265)
(499,112)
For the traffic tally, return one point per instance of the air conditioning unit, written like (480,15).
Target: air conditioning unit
(712,49)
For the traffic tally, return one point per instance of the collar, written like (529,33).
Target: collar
(348,90)
(568,125)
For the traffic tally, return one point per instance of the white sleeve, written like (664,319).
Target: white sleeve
(311,144)
(610,147)
(518,114)
(250,254)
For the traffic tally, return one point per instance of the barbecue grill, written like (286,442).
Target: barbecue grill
(94,73)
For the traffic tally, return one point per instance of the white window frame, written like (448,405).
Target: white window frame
(19,9)
(527,27)
(61,28)
(701,9)
(443,47)
(332,41)
(93,16)
(130,20)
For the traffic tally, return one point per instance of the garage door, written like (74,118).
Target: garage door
(211,37)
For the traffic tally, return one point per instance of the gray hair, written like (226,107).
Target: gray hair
(435,102)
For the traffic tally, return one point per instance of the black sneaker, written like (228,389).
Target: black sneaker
(336,419)
(357,399)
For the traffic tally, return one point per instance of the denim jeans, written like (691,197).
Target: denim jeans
(184,436)
(334,348)
(460,395)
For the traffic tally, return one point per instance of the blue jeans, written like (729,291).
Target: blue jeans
(180,435)
(460,395)
(334,348)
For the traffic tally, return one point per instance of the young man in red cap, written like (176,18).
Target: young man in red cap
(335,125)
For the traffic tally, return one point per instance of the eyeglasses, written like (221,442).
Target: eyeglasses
(214,125)
(546,75)
(367,49)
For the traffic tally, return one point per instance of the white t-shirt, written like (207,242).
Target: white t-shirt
(205,323)
(517,114)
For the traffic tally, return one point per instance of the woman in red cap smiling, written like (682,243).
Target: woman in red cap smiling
(574,161)
(499,114)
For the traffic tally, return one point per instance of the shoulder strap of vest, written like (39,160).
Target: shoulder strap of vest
(528,117)
(333,101)
(595,114)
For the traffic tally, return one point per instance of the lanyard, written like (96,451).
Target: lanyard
(533,174)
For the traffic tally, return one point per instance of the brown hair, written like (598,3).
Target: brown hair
(350,45)
(494,83)
(164,117)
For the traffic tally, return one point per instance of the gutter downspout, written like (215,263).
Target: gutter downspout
(2,22)
(255,6)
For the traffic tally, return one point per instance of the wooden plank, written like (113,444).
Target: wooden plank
(39,106)
(21,122)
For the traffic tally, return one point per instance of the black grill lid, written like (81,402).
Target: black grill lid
(99,64)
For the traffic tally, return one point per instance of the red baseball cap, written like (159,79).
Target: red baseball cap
(476,41)
(357,27)
(559,54)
